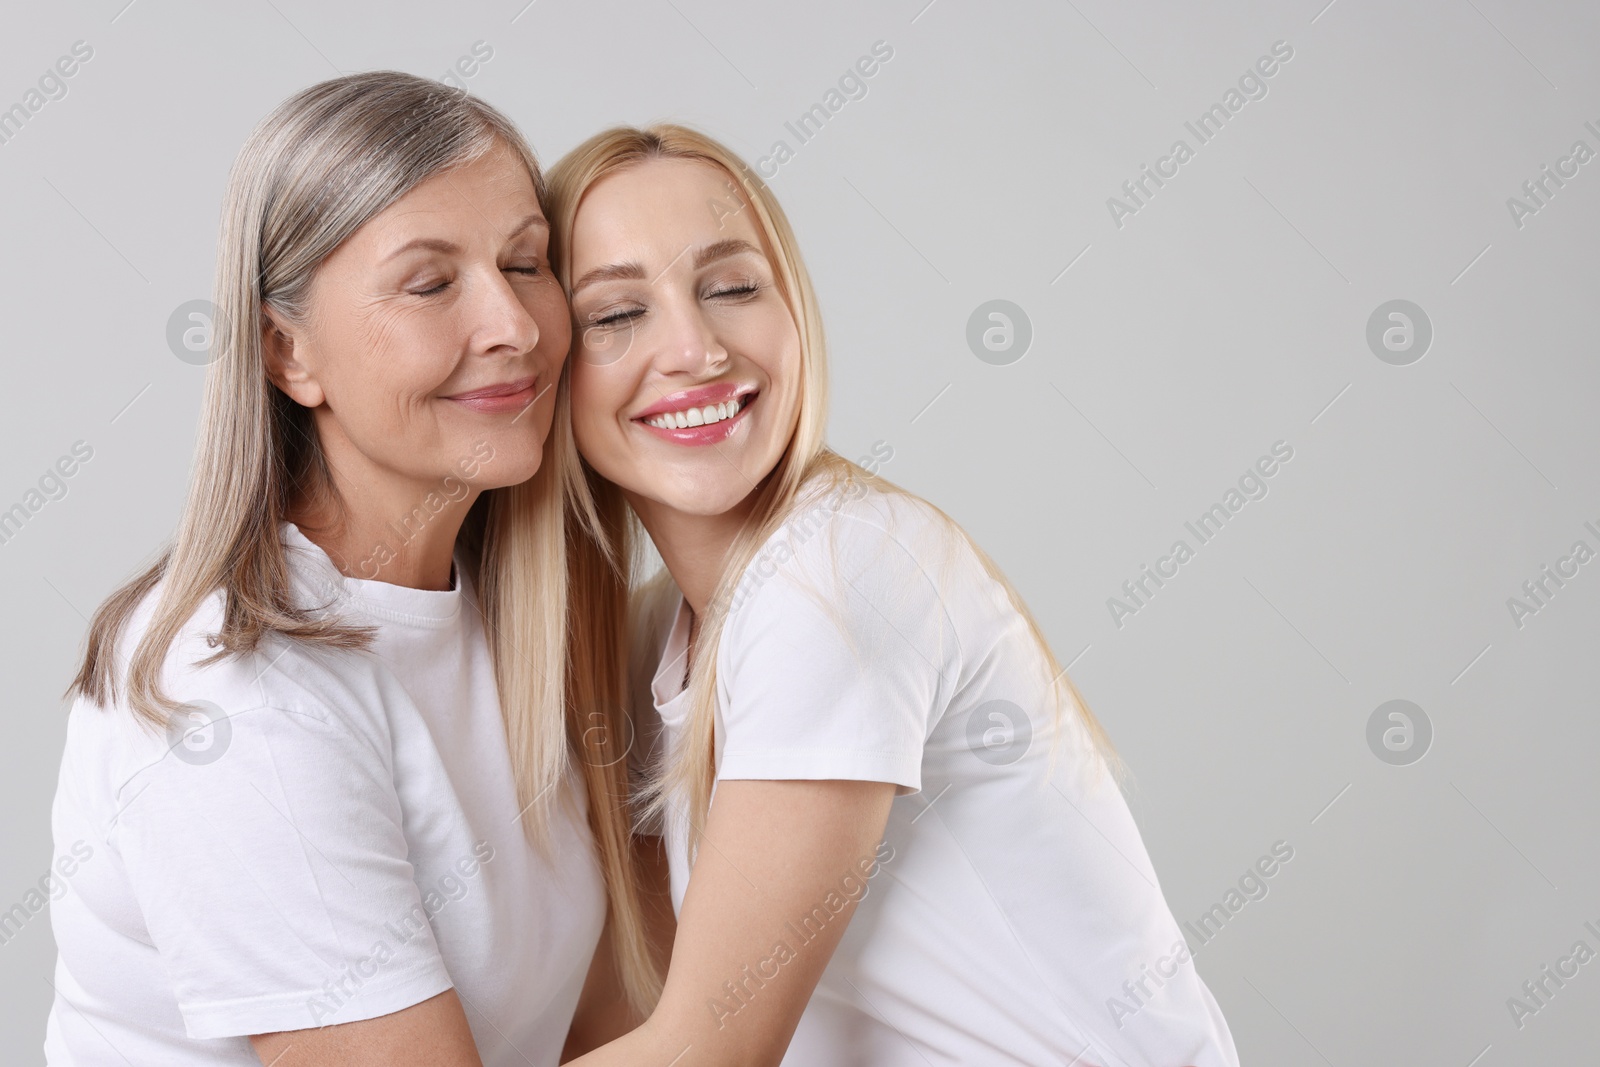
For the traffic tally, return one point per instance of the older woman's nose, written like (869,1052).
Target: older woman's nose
(501,318)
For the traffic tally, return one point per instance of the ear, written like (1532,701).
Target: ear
(282,348)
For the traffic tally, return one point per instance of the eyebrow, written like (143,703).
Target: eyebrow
(707,254)
(439,244)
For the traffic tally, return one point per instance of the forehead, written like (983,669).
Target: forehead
(655,209)
(477,194)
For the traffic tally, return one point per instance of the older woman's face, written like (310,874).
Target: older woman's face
(435,336)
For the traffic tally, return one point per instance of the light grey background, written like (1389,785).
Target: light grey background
(1168,354)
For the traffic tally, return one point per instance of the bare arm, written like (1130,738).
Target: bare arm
(603,1013)
(779,871)
(433,1033)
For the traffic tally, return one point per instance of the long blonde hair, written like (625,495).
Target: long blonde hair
(315,170)
(605,553)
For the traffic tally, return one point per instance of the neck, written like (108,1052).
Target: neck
(693,547)
(387,527)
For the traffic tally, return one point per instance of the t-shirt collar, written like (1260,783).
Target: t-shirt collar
(321,582)
(667,686)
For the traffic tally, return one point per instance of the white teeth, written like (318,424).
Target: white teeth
(705,416)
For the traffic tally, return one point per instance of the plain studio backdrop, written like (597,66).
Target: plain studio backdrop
(1370,272)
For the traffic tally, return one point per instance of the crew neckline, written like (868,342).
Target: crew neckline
(667,687)
(384,600)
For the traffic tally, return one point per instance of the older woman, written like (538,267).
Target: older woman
(318,759)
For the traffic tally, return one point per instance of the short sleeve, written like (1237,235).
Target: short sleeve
(267,856)
(837,661)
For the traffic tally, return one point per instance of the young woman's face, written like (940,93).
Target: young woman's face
(436,333)
(686,371)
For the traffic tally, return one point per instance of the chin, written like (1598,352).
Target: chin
(511,469)
(703,498)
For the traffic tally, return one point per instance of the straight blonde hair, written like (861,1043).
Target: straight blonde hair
(315,170)
(605,552)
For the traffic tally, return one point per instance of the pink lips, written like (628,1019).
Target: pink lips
(514,395)
(694,398)
(700,397)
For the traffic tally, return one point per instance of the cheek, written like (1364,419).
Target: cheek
(400,357)
(548,308)
(781,361)
(597,399)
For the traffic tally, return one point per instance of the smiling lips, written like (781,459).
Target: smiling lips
(495,399)
(700,416)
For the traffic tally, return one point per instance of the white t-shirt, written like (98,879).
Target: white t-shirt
(342,842)
(1007,906)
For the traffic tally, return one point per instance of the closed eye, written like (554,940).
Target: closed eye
(616,318)
(748,289)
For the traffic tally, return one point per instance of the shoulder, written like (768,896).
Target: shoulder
(856,565)
(851,534)
(292,684)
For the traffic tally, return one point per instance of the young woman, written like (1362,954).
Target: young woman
(317,782)
(894,832)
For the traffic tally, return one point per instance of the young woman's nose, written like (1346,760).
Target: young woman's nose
(688,342)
